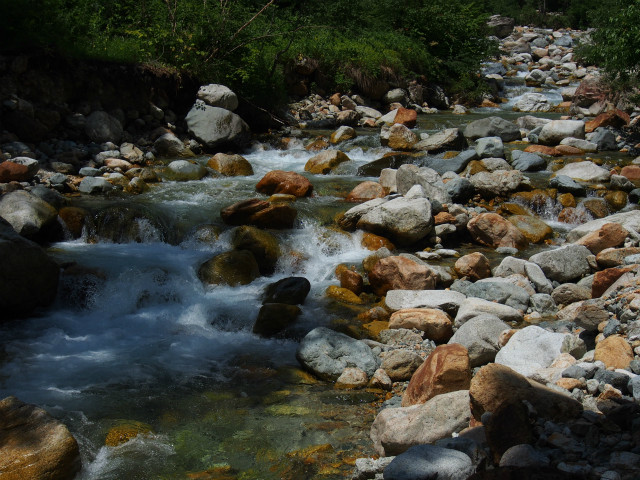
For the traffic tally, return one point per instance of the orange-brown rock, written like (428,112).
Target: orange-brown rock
(590,91)
(473,266)
(569,150)
(230,165)
(533,228)
(400,273)
(34,445)
(610,235)
(14,172)
(259,213)
(573,215)
(614,257)
(445,370)
(366,191)
(544,150)
(335,99)
(597,207)
(614,351)
(486,103)
(567,200)
(616,200)
(342,295)
(492,230)
(406,117)
(325,161)
(318,144)
(496,384)
(400,138)
(74,219)
(615,118)
(435,323)
(603,279)
(290,183)
(349,279)
(510,208)
(632,172)
(373,242)
(443,217)
(570,383)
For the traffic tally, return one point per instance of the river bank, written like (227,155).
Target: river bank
(469,220)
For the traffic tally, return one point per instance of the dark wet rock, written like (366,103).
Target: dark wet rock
(260,213)
(492,127)
(238,267)
(263,245)
(275,317)
(291,290)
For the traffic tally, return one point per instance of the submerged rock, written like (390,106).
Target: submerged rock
(238,267)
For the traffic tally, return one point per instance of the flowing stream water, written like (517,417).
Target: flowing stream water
(136,340)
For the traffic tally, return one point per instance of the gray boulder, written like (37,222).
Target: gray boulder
(492,127)
(554,132)
(490,147)
(604,139)
(501,26)
(220,96)
(395,430)
(500,182)
(214,126)
(532,102)
(28,277)
(526,161)
(531,349)
(101,127)
(183,170)
(27,214)
(405,221)
(566,184)
(429,462)
(93,185)
(460,189)
(564,264)
(434,188)
(456,164)
(585,171)
(480,336)
(169,145)
(446,300)
(498,290)
(448,139)
(327,353)
(472,307)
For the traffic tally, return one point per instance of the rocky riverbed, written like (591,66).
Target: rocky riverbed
(486,287)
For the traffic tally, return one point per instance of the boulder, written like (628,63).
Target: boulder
(480,335)
(564,264)
(101,127)
(445,370)
(585,172)
(34,444)
(492,127)
(400,364)
(399,137)
(220,96)
(19,169)
(326,161)
(238,267)
(496,384)
(474,266)
(603,279)
(501,290)
(531,349)
(290,290)
(259,213)
(533,228)
(501,26)
(28,277)
(396,429)
(366,191)
(406,117)
(448,139)
(532,102)
(527,162)
(352,378)
(289,183)
(169,145)
(400,273)
(614,351)
(492,230)
(555,131)
(435,324)
(446,300)
(429,461)
(434,188)
(630,221)
(499,182)
(29,215)
(327,353)
(184,171)
(230,165)
(490,147)
(342,134)
(263,245)
(610,235)
(275,317)
(94,185)
(472,307)
(566,184)
(509,425)
(404,221)
(215,126)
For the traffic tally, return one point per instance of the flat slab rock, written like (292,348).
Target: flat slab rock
(446,300)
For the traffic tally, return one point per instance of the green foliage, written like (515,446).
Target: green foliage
(615,44)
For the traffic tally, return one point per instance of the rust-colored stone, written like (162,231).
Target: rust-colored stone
(615,118)
(444,217)
(435,324)
(279,181)
(569,150)
(373,242)
(544,150)
(614,351)
(349,279)
(406,117)
(446,370)
(608,236)
(492,230)
(366,191)
(632,172)
(474,266)
(400,273)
